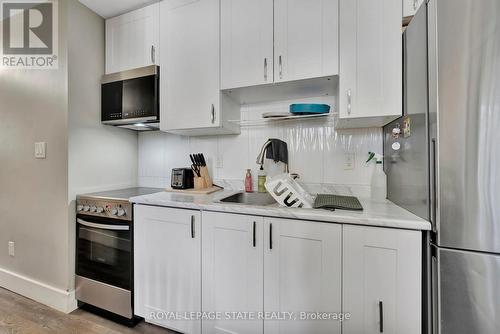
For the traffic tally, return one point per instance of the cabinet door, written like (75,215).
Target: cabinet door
(305,39)
(189,64)
(246,42)
(371,66)
(382,280)
(302,273)
(132,39)
(232,271)
(410,7)
(167,258)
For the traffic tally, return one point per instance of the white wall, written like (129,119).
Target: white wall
(100,157)
(317,152)
(33,193)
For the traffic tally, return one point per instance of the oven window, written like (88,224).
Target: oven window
(105,255)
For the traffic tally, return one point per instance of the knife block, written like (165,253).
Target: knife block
(204,181)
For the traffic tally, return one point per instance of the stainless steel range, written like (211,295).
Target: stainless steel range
(104,251)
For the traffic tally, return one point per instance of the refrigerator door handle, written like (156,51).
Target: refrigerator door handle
(434,204)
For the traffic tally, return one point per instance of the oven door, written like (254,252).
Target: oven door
(104,251)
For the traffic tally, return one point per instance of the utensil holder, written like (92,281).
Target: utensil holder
(206,176)
(199,183)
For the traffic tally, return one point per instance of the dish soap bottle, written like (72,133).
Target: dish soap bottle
(379,178)
(248,182)
(262,180)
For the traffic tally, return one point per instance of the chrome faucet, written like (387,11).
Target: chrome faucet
(262,155)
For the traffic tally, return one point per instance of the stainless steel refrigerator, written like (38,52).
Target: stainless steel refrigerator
(446,166)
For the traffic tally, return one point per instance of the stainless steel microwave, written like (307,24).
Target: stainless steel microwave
(130,99)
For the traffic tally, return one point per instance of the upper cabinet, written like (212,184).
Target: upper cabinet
(410,7)
(305,39)
(132,39)
(246,43)
(370,76)
(286,40)
(190,101)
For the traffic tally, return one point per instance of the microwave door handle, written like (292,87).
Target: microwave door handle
(103,226)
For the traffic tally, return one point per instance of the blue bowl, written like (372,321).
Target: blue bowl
(308,109)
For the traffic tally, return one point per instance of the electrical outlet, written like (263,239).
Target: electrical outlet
(12,249)
(220,161)
(349,161)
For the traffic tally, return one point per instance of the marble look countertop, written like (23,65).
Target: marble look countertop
(376,212)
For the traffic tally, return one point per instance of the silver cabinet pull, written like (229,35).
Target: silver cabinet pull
(280,61)
(415,2)
(212,112)
(381,316)
(153,54)
(265,69)
(349,101)
(192,227)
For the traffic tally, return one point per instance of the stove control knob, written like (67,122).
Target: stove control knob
(114,211)
(93,208)
(79,208)
(121,212)
(100,209)
(86,208)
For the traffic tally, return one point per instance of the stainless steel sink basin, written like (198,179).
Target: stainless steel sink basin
(249,198)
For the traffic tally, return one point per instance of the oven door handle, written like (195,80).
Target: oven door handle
(103,226)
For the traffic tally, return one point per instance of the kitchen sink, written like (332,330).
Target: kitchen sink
(249,199)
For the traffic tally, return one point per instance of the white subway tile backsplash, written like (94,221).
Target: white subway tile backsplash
(316,151)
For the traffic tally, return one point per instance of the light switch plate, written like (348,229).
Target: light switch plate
(40,150)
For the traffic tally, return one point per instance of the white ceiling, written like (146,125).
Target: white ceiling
(110,8)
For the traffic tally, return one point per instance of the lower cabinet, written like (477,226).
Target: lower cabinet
(232,278)
(382,280)
(302,274)
(167,266)
(272,268)
(255,275)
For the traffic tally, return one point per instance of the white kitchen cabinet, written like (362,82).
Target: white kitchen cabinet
(305,39)
(232,279)
(370,78)
(382,280)
(246,42)
(302,273)
(167,265)
(132,39)
(304,33)
(191,102)
(410,7)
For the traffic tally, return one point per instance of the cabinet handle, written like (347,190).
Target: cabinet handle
(192,227)
(153,55)
(212,113)
(415,3)
(254,241)
(271,236)
(280,61)
(265,69)
(381,316)
(349,101)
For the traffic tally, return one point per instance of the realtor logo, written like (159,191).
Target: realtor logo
(29,34)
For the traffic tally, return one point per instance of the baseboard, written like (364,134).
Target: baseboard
(58,299)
